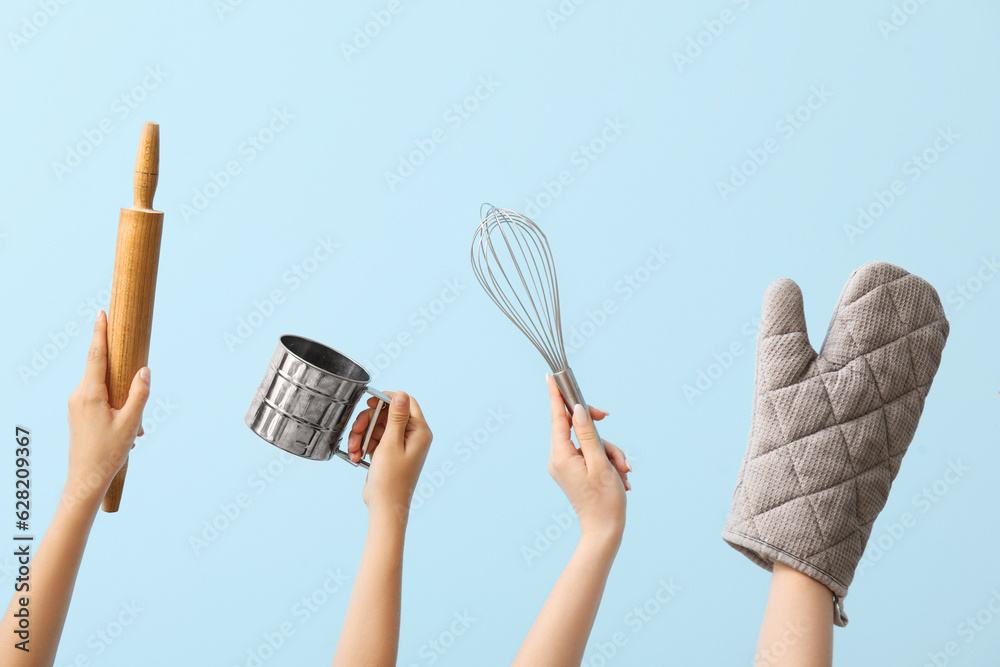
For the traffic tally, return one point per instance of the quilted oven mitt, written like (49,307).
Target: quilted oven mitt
(829,430)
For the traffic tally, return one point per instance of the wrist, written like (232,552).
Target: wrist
(78,495)
(604,538)
(388,516)
(89,480)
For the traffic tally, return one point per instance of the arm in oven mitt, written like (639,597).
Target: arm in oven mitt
(829,430)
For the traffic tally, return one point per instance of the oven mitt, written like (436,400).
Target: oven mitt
(829,430)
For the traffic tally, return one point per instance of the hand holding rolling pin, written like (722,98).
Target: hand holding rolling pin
(100,435)
(100,438)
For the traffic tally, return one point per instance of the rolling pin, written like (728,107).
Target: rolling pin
(130,315)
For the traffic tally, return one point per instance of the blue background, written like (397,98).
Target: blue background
(683,126)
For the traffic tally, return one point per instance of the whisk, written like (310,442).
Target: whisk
(513,262)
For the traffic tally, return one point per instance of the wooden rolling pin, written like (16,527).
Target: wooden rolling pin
(130,315)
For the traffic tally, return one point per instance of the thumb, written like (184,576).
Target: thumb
(395,424)
(131,413)
(783,349)
(586,433)
(782,312)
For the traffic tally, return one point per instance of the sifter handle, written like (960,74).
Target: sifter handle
(383,401)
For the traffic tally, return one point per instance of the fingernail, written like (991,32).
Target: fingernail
(399,400)
(628,485)
(579,414)
(628,466)
(144,374)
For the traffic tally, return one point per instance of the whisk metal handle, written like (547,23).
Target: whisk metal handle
(570,391)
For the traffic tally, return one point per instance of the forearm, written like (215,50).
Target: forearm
(51,579)
(370,634)
(798,622)
(559,634)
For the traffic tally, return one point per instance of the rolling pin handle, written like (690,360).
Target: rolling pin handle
(147,167)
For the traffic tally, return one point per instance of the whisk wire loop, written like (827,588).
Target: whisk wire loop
(513,262)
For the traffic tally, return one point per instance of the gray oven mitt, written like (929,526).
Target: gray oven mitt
(829,430)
